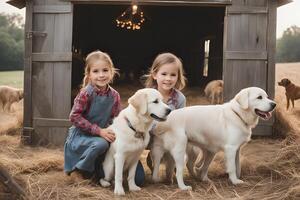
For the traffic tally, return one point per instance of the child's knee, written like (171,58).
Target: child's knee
(100,146)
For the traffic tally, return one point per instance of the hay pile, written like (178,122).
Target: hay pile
(270,168)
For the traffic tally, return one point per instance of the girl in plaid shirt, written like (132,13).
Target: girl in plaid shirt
(94,108)
(167,76)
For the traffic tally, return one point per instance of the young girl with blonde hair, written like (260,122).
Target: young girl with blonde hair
(93,111)
(167,76)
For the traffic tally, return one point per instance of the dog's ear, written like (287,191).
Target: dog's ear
(242,99)
(139,102)
(21,94)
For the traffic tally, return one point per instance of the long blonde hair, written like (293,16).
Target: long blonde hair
(160,60)
(92,58)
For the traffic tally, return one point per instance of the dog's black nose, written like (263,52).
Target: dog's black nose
(168,110)
(273,105)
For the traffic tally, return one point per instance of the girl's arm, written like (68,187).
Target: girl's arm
(81,105)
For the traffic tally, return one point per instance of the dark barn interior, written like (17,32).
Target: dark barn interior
(181,30)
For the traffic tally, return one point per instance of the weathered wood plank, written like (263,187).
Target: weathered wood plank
(239,74)
(52,9)
(246,10)
(263,130)
(249,2)
(245,32)
(27,122)
(271,48)
(62,90)
(156,2)
(42,89)
(245,55)
(52,122)
(52,57)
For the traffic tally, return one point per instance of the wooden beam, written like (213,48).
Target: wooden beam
(17,3)
(51,122)
(271,48)
(283,2)
(246,10)
(52,57)
(27,121)
(53,9)
(7,180)
(155,2)
(245,55)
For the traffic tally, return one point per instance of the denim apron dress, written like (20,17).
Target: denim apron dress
(83,150)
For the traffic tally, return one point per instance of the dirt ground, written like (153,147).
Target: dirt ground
(270,166)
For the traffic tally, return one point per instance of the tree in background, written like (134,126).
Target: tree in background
(288,46)
(11,42)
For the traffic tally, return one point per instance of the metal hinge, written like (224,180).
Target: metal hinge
(27,135)
(29,34)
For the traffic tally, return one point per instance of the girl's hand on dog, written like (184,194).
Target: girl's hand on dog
(107,134)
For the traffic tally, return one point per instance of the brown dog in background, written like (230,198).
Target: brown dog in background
(292,91)
(9,95)
(214,91)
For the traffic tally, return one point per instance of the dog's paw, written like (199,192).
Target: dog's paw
(155,179)
(186,187)
(104,183)
(237,181)
(119,191)
(205,179)
(134,188)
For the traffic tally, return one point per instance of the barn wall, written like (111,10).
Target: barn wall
(51,70)
(249,50)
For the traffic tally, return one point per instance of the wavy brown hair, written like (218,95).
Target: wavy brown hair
(160,60)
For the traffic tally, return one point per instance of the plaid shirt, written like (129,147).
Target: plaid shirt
(177,99)
(82,105)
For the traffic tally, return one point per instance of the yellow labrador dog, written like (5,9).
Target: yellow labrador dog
(213,128)
(214,91)
(9,95)
(132,136)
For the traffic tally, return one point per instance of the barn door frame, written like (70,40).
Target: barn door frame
(27,110)
(48,47)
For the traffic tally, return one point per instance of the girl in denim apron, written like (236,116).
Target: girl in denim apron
(93,111)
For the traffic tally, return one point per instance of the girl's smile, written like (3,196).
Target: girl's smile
(100,74)
(166,77)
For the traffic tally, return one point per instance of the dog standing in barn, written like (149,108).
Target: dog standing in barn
(214,91)
(9,95)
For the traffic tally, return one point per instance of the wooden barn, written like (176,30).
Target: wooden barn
(233,40)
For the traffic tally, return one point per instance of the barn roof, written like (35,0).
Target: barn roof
(22,3)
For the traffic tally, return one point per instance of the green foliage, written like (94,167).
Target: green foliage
(288,47)
(11,42)
(12,78)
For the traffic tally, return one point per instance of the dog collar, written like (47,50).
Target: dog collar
(240,117)
(137,134)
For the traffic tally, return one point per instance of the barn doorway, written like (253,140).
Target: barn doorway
(193,33)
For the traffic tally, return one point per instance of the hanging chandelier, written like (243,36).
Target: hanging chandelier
(132,18)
